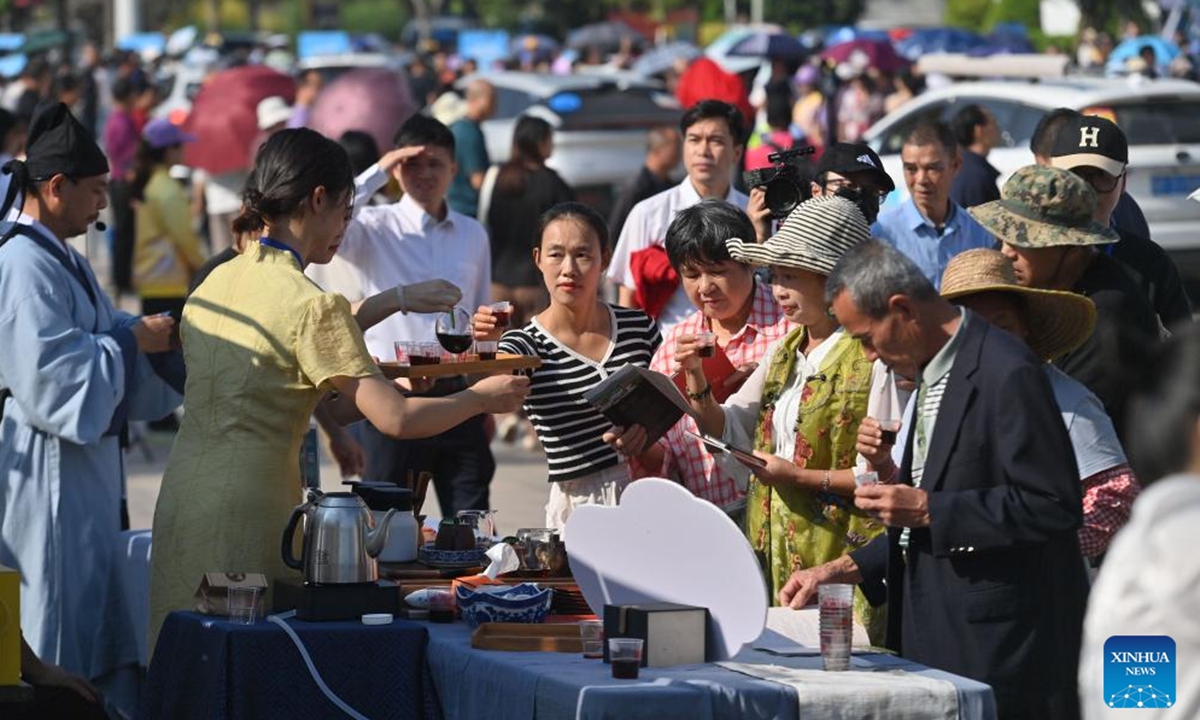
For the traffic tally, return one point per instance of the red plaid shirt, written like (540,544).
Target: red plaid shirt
(686,459)
(1107,501)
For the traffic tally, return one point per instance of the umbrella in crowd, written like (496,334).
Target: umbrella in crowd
(374,100)
(774,46)
(543,45)
(879,54)
(224,118)
(846,33)
(1164,52)
(1003,45)
(605,36)
(939,40)
(663,58)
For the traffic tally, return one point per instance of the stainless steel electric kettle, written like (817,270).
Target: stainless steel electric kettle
(340,540)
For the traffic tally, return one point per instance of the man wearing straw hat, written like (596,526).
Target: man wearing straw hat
(980,566)
(1045,220)
(1053,324)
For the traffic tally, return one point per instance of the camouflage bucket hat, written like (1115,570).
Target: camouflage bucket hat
(1044,207)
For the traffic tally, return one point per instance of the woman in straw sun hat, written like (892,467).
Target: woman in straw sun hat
(800,410)
(1053,323)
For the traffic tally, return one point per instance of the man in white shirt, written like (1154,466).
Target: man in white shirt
(713,142)
(416,239)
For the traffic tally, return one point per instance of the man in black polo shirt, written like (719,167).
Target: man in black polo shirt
(663,152)
(977,133)
(1096,150)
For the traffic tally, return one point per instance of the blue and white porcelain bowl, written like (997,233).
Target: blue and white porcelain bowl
(524,603)
(431,556)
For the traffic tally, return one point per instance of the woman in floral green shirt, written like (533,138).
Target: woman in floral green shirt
(801,410)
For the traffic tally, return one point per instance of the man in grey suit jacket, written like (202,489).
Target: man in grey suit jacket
(980,565)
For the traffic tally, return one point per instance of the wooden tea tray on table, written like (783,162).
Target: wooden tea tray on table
(526,637)
(504,363)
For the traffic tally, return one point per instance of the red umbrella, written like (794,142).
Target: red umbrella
(880,55)
(224,118)
(374,100)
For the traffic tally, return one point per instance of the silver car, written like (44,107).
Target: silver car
(600,124)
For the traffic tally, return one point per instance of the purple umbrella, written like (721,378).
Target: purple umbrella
(374,100)
(879,54)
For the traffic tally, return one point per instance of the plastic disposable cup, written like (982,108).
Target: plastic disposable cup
(486,349)
(706,343)
(889,428)
(503,313)
(591,632)
(625,656)
(441,606)
(836,602)
(243,604)
(405,349)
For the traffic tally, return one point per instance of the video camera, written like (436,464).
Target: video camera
(785,182)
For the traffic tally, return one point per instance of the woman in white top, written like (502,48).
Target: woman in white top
(1147,585)
(800,410)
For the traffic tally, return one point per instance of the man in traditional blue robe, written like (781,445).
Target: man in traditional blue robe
(73,371)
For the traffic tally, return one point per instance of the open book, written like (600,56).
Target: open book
(635,395)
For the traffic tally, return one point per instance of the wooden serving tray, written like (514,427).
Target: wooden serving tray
(527,637)
(504,363)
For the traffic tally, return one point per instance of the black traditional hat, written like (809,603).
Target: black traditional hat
(58,143)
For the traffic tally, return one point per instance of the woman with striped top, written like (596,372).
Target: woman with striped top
(581,340)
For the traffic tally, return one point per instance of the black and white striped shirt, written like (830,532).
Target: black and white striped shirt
(568,427)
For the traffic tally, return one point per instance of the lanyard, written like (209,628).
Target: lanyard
(272,243)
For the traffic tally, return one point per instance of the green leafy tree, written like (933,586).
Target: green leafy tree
(1026,12)
(967,14)
(813,13)
(386,17)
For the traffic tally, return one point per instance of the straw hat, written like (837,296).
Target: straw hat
(813,237)
(1058,322)
(1044,207)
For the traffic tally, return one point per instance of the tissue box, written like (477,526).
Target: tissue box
(673,634)
(10,626)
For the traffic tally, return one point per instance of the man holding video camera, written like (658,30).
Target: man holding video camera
(851,170)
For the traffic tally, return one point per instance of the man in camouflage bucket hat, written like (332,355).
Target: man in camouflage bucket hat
(1044,218)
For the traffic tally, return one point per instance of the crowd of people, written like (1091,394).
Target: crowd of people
(999,331)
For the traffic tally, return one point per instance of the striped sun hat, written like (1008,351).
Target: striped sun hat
(814,237)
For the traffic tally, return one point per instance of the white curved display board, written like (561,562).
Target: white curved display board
(662,544)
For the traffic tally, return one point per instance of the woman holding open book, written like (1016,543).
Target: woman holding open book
(738,319)
(581,340)
(800,411)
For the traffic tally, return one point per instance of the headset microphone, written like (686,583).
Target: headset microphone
(101,226)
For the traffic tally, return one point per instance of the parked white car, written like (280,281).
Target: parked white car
(1161,119)
(600,124)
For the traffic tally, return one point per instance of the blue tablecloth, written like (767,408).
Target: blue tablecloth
(521,686)
(206,668)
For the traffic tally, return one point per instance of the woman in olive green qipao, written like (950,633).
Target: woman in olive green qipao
(802,408)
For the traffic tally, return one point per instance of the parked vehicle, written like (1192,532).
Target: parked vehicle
(600,124)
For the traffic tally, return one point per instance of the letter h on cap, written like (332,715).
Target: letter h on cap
(1089,136)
